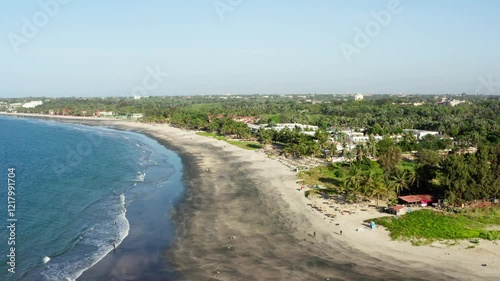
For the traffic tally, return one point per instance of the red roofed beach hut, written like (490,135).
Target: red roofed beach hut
(396,209)
(422,199)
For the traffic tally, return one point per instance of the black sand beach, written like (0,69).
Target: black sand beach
(227,229)
(241,219)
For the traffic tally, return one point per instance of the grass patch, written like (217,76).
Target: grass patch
(310,193)
(250,145)
(426,226)
(489,216)
(245,144)
(407,165)
(212,135)
(332,176)
(320,192)
(323,175)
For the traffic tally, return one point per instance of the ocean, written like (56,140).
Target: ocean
(71,187)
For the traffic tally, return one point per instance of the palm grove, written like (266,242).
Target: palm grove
(441,166)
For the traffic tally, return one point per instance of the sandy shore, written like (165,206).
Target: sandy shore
(241,194)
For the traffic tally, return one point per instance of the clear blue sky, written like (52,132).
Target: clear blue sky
(102,48)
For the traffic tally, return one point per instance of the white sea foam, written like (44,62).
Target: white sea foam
(141,176)
(122,201)
(71,271)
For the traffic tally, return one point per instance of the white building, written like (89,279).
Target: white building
(356,137)
(105,113)
(306,129)
(352,136)
(137,115)
(420,134)
(340,147)
(32,104)
(455,102)
(255,128)
(358,97)
(291,126)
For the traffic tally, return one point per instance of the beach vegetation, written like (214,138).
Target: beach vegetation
(461,164)
(312,192)
(250,145)
(426,226)
(357,181)
(245,144)
(213,135)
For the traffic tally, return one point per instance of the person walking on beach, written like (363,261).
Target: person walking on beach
(314,234)
(341,233)
(114,247)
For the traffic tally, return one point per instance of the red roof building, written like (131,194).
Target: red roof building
(396,209)
(423,199)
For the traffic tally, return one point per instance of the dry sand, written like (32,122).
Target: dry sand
(241,194)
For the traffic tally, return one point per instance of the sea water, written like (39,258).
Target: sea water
(73,185)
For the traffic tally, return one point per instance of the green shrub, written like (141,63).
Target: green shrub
(339,173)
(431,225)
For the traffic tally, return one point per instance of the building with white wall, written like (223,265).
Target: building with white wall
(32,104)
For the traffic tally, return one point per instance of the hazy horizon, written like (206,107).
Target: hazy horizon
(72,48)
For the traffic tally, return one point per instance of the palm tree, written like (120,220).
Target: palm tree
(371,147)
(419,175)
(353,183)
(348,155)
(314,149)
(379,188)
(360,152)
(265,136)
(344,187)
(411,177)
(332,149)
(399,181)
(369,183)
(322,137)
(290,150)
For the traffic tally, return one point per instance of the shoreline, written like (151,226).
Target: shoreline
(233,192)
(140,254)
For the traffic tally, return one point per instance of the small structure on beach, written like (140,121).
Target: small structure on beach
(423,199)
(396,210)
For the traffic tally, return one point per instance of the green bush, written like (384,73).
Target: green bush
(339,173)
(431,225)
